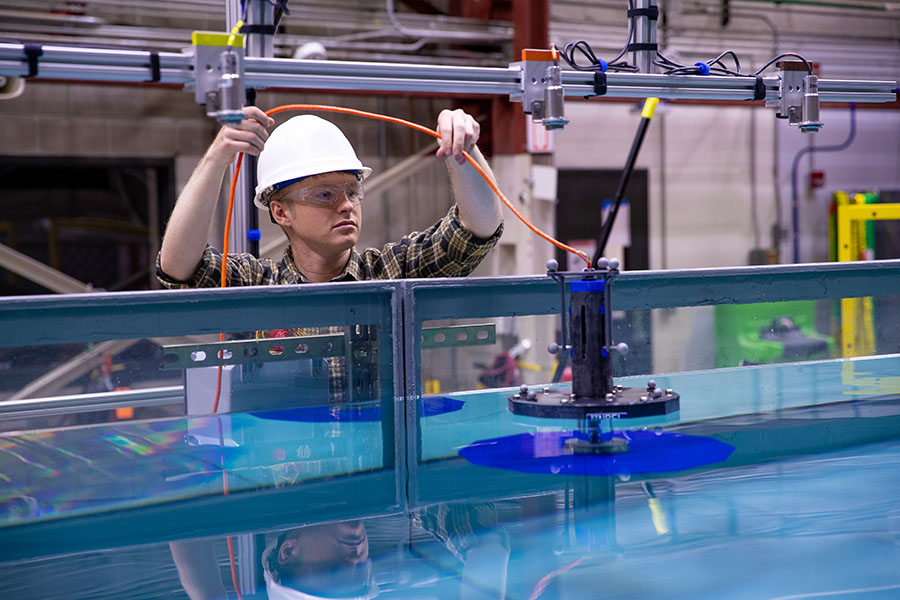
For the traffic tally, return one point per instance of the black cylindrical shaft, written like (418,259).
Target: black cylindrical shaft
(250,176)
(606,229)
(591,365)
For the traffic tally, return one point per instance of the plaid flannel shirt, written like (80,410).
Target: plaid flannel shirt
(446,249)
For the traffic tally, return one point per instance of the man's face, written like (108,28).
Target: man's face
(328,557)
(323,228)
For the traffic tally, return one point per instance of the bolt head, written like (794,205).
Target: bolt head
(552,264)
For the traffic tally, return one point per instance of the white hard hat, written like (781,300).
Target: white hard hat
(277,591)
(300,147)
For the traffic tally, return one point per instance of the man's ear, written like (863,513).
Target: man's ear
(280,213)
(287,550)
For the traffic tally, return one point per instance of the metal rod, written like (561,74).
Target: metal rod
(375,69)
(606,229)
(345,82)
(644,33)
(40,407)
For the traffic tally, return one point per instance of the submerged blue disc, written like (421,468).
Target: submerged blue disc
(429,406)
(432,406)
(648,452)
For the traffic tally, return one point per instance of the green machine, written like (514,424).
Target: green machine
(786,331)
(770,332)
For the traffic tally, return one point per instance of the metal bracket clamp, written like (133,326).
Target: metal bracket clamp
(542,90)
(799,97)
(219,75)
(187,356)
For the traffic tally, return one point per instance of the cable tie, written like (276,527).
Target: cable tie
(702,68)
(759,90)
(155,74)
(264,29)
(641,47)
(600,87)
(652,13)
(32,52)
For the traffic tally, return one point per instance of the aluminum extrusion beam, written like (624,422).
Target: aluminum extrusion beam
(70,63)
(55,405)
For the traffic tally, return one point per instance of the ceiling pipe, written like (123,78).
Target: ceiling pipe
(429,33)
(876,7)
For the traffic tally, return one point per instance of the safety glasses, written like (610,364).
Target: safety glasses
(329,194)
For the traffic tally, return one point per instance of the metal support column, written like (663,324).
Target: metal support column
(260,45)
(644,35)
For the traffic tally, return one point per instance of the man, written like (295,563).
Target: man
(310,180)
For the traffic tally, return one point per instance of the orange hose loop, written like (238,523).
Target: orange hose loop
(431,132)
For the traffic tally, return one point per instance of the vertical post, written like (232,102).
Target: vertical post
(644,33)
(260,12)
(152,223)
(259,44)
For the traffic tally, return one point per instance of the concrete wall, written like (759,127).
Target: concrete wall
(72,120)
(61,119)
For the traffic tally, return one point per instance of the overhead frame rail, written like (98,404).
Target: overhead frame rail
(98,64)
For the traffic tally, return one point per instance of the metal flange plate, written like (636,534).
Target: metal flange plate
(625,403)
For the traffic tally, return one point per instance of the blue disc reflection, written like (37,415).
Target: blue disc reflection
(648,452)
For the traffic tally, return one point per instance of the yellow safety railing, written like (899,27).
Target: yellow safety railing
(857,322)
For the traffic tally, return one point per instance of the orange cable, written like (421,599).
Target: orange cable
(423,129)
(223,282)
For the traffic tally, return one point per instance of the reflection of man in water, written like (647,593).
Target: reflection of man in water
(332,560)
(329,560)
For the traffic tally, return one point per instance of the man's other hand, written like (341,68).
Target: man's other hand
(459,131)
